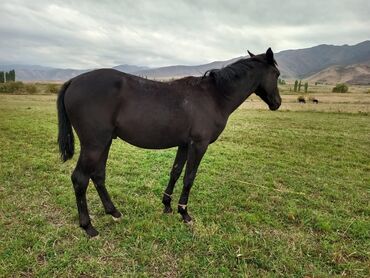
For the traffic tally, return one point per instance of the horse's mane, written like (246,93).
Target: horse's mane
(231,72)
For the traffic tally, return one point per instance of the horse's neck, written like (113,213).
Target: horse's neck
(237,94)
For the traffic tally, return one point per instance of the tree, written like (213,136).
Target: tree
(281,81)
(295,85)
(299,85)
(340,88)
(7,76)
(306,87)
(12,75)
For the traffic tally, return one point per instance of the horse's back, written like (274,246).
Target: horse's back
(105,103)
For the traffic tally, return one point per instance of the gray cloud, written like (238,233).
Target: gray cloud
(84,34)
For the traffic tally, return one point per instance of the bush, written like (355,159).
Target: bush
(30,89)
(11,87)
(340,88)
(52,89)
(17,87)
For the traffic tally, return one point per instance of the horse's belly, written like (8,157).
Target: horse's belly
(151,137)
(152,124)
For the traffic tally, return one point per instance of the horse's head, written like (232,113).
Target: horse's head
(268,90)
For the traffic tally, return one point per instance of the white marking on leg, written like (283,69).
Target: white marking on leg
(116,219)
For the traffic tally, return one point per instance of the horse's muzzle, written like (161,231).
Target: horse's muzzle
(276,103)
(275,106)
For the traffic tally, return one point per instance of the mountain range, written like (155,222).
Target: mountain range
(322,63)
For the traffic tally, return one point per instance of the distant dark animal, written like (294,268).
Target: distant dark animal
(301,100)
(189,113)
(316,101)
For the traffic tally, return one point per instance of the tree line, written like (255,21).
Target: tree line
(7,76)
(298,86)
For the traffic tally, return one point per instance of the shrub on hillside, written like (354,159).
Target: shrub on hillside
(340,88)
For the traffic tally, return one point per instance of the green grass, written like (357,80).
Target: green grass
(279,194)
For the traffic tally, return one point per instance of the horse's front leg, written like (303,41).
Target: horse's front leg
(196,150)
(177,167)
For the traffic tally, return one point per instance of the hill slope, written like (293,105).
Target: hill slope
(352,74)
(302,63)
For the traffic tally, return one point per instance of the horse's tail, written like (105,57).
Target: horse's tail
(65,134)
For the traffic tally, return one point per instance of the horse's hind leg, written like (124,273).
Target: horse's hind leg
(177,167)
(195,155)
(80,178)
(98,177)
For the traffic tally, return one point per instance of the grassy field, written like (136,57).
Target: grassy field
(281,193)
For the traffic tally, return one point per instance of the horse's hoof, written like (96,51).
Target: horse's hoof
(90,231)
(167,210)
(189,223)
(186,218)
(116,214)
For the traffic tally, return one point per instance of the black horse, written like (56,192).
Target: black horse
(189,113)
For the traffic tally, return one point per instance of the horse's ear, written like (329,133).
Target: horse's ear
(251,54)
(270,56)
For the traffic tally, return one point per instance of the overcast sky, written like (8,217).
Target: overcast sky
(90,34)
